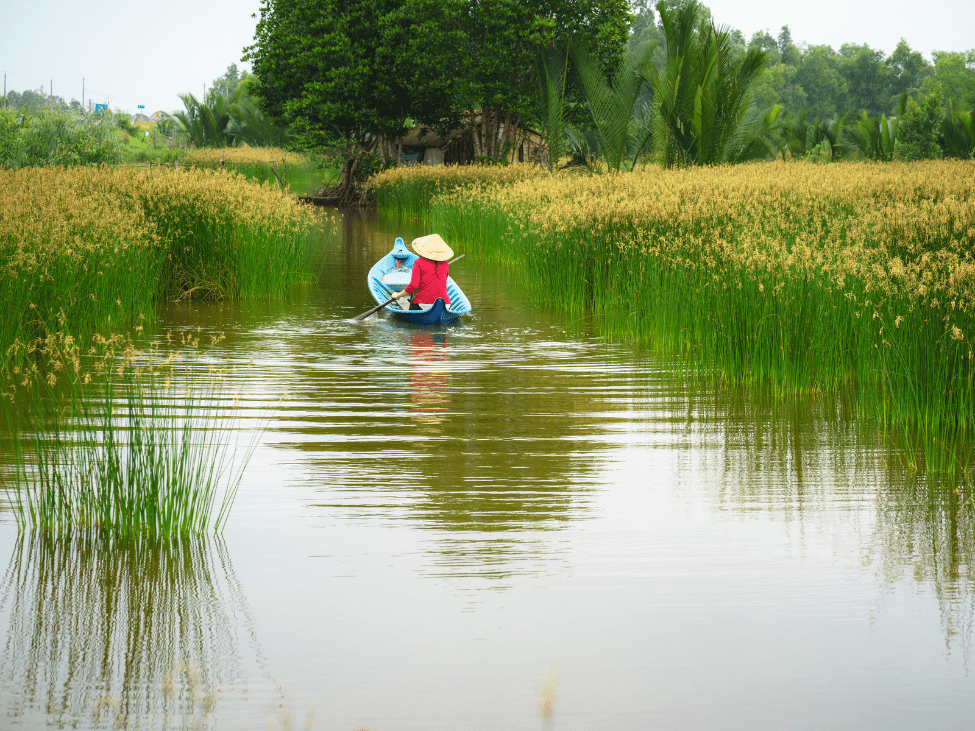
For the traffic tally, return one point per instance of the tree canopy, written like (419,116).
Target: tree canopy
(362,68)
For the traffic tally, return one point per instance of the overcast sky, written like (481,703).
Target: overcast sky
(132,53)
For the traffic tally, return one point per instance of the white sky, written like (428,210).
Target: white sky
(132,53)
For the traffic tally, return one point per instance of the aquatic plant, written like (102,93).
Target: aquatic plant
(106,437)
(849,276)
(412,189)
(89,249)
(288,171)
(242,155)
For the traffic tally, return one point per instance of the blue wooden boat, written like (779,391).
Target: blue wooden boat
(392,273)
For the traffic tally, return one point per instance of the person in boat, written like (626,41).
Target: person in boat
(429,279)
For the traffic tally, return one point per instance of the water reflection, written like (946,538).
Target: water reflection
(811,463)
(474,424)
(119,634)
(925,533)
(429,380)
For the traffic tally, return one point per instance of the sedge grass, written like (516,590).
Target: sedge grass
(84,250)
(851,276)
(411,190)
(302,174)
(109,439)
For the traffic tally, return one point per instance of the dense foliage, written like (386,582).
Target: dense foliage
(360,69)
(229,115)
(51,137)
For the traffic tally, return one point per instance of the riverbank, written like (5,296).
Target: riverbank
(84,250)
(805,277)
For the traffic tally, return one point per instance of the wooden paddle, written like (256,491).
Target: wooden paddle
(366,314)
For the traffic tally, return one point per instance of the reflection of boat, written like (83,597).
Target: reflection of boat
(392,273)
(429,380)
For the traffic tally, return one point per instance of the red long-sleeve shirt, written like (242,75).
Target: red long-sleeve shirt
(429,281)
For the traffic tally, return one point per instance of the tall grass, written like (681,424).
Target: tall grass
(851,276)
(298,174)
(107,438)
(84,250)
(411,190)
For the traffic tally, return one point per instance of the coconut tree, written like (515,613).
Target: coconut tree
(620,128)
(873,139)
(958,132)
(701,94)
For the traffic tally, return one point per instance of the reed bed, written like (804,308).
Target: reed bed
(412,189)
(90,249)
(104,437)
(300,174)
(242,155)
(853,276)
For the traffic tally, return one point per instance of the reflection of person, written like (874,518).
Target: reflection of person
(429,279)
(430,380)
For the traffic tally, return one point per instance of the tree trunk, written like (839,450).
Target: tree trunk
(349,191)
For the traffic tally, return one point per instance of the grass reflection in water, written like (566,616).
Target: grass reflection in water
(133,633)
(803,460)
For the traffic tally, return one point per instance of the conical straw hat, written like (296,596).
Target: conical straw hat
(432,247)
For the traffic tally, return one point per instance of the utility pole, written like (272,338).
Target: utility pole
(4,91)
(82,93)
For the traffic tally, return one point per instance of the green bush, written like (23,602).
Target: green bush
(920,128)
(46,137)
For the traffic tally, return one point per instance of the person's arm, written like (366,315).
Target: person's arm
(414,281)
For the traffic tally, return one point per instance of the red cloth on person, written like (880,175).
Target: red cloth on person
(429,281)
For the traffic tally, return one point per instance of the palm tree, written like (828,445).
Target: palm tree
(958,132)
(701,95)
(206,122)
(756,137)
(250,126)
(797,134)
(621,130)
(551,74)
(874,139)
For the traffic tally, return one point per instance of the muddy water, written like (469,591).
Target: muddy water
(501,525)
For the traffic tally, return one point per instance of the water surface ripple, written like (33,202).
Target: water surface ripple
(434,519)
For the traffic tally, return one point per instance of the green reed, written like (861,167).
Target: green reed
(118,444)
(90,249)
(805,320)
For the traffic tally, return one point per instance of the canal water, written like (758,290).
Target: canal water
(505,524)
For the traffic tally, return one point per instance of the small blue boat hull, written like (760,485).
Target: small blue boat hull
(392,273)
(438,314)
